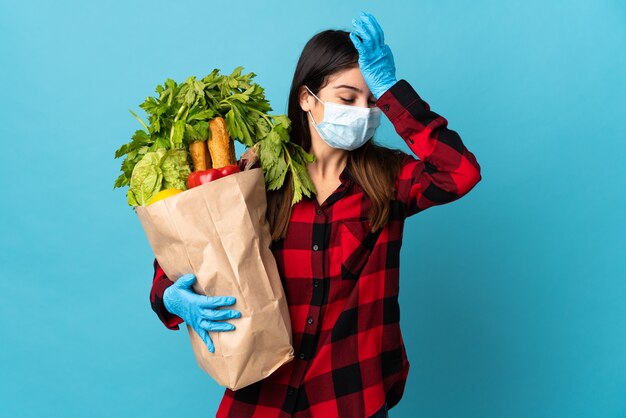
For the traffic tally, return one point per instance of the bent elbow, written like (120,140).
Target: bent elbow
(469,182)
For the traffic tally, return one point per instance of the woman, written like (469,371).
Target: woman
(338,251)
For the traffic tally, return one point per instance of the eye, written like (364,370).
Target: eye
(347,100)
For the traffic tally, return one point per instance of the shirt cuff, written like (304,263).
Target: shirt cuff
(398,98)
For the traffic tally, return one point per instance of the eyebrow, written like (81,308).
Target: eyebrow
(348,87)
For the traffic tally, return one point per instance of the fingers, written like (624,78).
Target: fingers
(216,301)
(368,29)
(186,282)
(220,314)
(207,340)
(215,326)
(357,43)
(379,36)
(203,328)
(361,30)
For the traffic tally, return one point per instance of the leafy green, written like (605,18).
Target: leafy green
(175,169)
(278,156)
(146,178)
(179,114)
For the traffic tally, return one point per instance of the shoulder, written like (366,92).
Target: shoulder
(405,165)
(405,158)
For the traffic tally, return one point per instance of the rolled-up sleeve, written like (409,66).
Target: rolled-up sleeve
(160,282)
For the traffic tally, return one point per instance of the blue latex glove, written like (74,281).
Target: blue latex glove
(375,58)
(197,310)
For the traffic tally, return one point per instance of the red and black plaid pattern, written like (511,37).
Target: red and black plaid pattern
(341,280)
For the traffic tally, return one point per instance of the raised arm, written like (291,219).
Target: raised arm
(446,169)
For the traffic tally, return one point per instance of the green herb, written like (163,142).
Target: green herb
(278,156)
(180,113)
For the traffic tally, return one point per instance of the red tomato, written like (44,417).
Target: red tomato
(229,169)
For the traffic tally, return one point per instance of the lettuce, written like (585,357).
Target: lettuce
(146,179)
(175,168)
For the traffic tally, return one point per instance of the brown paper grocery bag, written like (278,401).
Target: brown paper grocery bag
(219,232)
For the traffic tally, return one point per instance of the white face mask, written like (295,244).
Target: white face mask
(346,127)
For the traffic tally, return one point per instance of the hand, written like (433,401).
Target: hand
(197,310)
(375,58)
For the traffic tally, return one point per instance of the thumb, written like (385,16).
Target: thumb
(185,281)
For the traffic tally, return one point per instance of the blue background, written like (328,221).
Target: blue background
(512,298)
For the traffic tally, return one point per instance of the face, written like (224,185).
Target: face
(346,87)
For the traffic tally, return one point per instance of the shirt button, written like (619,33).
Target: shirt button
(309,320)
(316,283)
(319,211)
(315,247)
(290,391)
(301,356)
(386,107)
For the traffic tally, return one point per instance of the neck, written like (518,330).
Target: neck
(329,162)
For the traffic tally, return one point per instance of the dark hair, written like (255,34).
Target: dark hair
(372,166)
(325,54)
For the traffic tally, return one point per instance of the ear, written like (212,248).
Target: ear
(305,99)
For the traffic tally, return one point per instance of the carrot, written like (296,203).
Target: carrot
(221,146)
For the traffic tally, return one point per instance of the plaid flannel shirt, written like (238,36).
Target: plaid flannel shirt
(341,280)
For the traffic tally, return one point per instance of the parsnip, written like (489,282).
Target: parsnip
(221,146)
(200,155)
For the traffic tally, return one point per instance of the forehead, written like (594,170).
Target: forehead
(350,76)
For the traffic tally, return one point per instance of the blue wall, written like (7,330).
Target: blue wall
(512,298)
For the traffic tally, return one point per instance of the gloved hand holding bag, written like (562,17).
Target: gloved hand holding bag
(199,311)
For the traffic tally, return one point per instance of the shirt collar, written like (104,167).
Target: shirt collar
(345,177)
(346,181)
